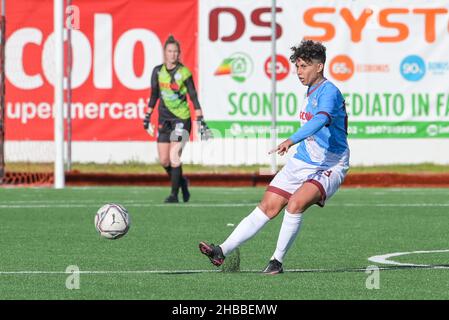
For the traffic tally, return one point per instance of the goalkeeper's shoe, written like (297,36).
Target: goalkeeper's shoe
(273,267)
(213,252)
(171,199)
(185,189)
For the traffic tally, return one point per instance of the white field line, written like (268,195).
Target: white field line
(126,204)
(384,258)
(25,272)
(257,271)
(26,205)
(416,193)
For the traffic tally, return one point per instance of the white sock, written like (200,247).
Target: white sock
(246,229)
(289,230)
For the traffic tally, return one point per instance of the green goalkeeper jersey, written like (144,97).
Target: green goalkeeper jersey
(172,87)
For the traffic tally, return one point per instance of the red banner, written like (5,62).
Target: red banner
(115,45)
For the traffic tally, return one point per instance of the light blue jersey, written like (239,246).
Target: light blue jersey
(328,145)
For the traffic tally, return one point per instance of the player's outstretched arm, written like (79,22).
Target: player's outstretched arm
(310,128)
(307,130)
(283,147)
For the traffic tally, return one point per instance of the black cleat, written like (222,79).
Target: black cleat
(185,189)
(171,199)
(273,267)
(214,253)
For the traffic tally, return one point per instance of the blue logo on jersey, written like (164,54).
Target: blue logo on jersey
(413,68)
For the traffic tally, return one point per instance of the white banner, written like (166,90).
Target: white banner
(389,59)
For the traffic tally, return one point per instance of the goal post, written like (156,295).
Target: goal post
(2,91)
(59,93)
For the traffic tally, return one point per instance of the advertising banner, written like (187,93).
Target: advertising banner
(115,45)
(389,59)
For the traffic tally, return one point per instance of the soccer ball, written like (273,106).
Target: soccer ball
(112,221)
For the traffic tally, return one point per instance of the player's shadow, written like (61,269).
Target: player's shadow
(370,268)
(324,270)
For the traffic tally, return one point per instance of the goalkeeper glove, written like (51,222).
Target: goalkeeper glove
(204,131)
(147,125)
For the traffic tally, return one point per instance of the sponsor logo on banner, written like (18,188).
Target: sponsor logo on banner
(438,67)
(237,24)
(372,68)
(341,67)
(434,130)
(328,21)
(239,66)
(282,67)
(413,68)
(254,128)
(236,129)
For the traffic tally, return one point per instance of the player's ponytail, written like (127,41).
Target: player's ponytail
(172,40)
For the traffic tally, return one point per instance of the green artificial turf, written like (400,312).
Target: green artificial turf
(44,231)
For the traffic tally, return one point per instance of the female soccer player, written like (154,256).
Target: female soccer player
(314,173)
(170,83)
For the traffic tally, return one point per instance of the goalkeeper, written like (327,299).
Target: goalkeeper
(170,83)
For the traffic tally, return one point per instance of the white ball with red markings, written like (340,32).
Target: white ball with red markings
(112,221)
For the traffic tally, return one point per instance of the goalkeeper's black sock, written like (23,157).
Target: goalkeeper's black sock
(176,176)
(168,169)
